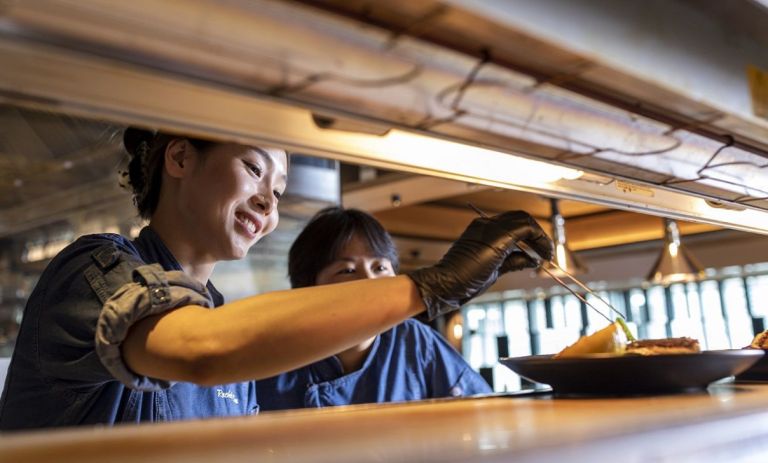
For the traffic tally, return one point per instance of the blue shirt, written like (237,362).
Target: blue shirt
(408,362)
(56,378)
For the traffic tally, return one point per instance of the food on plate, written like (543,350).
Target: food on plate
(664,346)
(760,341)
(611,339)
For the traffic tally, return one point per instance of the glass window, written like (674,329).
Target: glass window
(739,320)
(716,335)
(516,328)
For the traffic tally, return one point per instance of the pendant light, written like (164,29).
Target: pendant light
(675,264)
(563,257)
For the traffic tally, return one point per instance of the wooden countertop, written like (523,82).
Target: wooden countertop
(728,418)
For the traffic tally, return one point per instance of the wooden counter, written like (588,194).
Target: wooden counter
(727,423)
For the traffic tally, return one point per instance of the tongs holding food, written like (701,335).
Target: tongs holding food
(544,263)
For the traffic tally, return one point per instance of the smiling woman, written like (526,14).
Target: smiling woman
(121,331)
(222,191)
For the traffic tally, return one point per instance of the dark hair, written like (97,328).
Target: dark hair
(145,169)
(327,232)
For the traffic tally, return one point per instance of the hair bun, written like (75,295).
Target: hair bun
(133,136)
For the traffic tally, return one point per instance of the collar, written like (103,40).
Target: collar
(153,250)
(330,371)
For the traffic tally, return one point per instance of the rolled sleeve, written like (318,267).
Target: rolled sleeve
(154,291)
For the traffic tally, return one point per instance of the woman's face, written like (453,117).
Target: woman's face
(355,261)
(230,198)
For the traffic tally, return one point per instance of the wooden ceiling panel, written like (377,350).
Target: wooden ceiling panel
(498,200)
(620,227)
(426,221)
(612,228)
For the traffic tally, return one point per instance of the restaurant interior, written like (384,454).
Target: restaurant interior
(635,134)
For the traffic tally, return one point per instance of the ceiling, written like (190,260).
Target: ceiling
(588,226)
(611,102)
(606,88)
(43,154)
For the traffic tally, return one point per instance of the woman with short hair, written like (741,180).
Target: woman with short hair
(408,362)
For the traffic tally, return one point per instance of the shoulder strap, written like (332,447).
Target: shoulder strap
(111,269)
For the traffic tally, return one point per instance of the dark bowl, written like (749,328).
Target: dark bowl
(758,372)
(633,374)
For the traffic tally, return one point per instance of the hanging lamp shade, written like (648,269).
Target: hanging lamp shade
(563,256)
(675,264)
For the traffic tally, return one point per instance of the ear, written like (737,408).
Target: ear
(177,157)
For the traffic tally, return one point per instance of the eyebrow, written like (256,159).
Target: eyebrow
(349,259)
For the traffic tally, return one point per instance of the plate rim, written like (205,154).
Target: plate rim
(543,369)
(607,356)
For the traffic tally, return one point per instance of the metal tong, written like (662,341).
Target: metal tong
(530,252)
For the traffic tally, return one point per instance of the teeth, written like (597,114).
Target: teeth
(248,224)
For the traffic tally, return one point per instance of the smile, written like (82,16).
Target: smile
(251,224)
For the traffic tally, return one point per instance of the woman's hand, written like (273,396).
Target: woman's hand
(484,251)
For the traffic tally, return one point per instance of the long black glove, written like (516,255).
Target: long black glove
(484,251)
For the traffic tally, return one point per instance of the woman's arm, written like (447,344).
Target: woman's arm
(264,335)
(268,334)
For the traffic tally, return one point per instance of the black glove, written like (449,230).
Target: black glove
(484,251)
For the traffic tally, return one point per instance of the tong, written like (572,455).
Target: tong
(542,263)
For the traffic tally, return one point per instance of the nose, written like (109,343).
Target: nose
(262,203)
